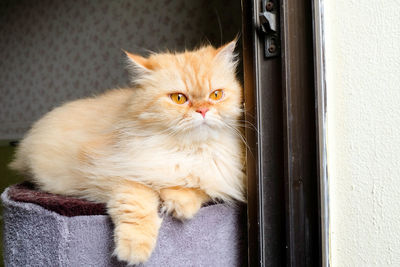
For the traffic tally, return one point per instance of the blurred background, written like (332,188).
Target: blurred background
(53,51)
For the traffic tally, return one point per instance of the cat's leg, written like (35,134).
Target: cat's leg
(182,202)
(134,210)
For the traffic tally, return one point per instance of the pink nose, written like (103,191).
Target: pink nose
(202,111)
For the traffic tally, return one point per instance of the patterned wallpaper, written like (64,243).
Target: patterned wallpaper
(52,51)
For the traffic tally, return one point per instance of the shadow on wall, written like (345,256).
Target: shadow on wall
(58,50)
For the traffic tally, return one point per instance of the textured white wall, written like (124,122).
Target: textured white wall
(363,81)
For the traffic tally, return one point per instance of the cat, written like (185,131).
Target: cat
(170,140)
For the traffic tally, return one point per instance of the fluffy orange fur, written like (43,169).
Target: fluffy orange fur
(136,148)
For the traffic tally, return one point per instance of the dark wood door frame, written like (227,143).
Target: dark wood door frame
(263,98)
(283,203)
(301,181)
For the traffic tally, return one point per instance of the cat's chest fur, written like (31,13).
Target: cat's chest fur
(214,166)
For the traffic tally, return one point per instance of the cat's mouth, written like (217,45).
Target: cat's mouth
(204,125)
(204,122)
(201,125)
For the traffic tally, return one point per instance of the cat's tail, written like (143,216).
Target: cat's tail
(16,165)
(19,163)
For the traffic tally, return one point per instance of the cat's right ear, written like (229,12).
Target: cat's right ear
(138,64)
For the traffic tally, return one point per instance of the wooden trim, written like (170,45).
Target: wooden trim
(249,75)
(263,105)
(301,183)
(283,224)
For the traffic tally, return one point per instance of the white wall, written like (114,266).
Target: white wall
(363,83)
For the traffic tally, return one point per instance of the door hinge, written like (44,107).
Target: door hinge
(269,24)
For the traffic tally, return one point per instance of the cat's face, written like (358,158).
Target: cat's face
(192,93)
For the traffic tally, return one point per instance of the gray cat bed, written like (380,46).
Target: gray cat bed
(38,236)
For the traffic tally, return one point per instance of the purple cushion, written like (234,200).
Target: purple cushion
(42,229)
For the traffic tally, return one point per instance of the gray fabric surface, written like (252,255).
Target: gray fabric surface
(34,236)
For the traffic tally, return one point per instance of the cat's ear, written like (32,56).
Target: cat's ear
(138,64)
(226,53)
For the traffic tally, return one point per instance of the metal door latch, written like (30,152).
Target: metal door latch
(270,27)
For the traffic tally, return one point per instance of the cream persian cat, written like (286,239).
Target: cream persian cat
(171,141)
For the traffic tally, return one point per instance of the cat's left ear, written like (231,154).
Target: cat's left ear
(138,64)
(226,53)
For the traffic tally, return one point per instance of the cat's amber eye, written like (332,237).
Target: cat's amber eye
(216,95)
(178,98)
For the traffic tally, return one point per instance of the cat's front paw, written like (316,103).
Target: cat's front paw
(181,210)
(134,245)
(132,251)
(182,203)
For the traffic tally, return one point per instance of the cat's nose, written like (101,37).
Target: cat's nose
(202,111)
